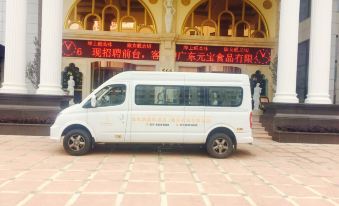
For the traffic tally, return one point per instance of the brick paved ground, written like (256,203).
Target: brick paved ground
(36,171)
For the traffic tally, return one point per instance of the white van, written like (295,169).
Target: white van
(158,107)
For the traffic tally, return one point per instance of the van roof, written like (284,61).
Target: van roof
(180,76)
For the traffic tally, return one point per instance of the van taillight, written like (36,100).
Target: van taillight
(251,120)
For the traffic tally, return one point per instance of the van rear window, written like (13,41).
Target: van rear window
(224,96)
(159,95)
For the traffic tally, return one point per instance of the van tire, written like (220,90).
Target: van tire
(219,145)
(77,142)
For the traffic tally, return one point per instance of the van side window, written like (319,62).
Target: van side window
(224,96)
(159,95)
(111,95)
(194,96)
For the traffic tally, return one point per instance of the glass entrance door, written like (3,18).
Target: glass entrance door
(103,71)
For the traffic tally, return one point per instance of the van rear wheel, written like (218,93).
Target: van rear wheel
(77,142)
(219,145)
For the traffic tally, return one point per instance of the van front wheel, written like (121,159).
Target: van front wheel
(77,142)
(219,145)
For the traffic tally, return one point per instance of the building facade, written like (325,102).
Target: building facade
(96,39)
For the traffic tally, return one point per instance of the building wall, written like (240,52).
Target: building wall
(304,35)
(2,21)
(168,41)
(158,11)
(334,87)
(2,36)
(32,27)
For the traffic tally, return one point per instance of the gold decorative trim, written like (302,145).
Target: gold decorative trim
(228,41)
(191,15)
(89,15)
(191,12)
(153,1)
(72,16)
(178,39)
(147,27)
(267,4)
(261,15)
(108,36)
(206,21)
(69,23)
(104,14)
(219,19)
(185,2)
(69,12)
(128,17)
(242,22)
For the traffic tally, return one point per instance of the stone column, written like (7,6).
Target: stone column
(51,48)
(320,53)
(15,42)
(288,52)
(167,53)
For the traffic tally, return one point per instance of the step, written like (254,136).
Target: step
(257,127)
(256,122)
(255,119)
(266,136)
(259,130)
(259,134)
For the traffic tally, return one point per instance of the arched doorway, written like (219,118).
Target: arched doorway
(226,18)
(129,16)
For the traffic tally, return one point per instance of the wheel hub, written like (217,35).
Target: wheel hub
(77,142)
(220,146)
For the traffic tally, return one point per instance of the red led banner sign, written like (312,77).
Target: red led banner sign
(110,50)
(223,54)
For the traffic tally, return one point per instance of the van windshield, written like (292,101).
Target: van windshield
(111,95)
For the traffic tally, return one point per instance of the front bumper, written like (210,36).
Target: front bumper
(55,133)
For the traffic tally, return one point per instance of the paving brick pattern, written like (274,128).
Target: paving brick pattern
(36,171)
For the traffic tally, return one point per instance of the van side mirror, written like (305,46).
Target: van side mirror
(94,101)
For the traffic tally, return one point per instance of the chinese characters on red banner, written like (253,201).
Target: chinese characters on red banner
(110,50)
(150,51)
(221,54)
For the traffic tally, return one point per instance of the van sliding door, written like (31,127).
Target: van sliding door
(157,114)
(194,125)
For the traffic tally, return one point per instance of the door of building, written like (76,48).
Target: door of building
(103,71)
(2,58)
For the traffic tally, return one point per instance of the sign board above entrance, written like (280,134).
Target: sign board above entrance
(110,50)
(223,54)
